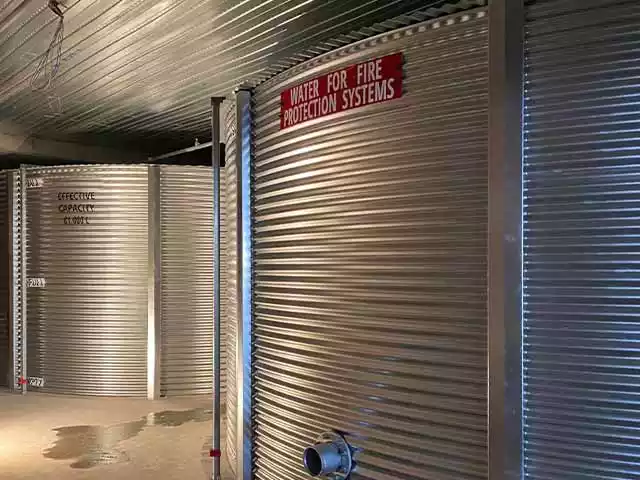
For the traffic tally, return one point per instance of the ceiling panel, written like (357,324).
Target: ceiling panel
(140,72)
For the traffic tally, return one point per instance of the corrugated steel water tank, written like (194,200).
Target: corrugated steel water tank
(90,273)
(370,261)
(87,264)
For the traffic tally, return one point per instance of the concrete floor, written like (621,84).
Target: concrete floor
(52,437)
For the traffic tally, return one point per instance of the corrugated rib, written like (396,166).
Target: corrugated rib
(581,182)
(370,266)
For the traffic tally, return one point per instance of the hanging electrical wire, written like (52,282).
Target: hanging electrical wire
(49,63)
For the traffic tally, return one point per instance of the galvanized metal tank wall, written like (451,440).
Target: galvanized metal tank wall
(186,210)
(581,310)
(90,232)
(87,237)
(6,373)
(370,258)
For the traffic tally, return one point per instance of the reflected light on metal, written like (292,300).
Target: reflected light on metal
(116,54)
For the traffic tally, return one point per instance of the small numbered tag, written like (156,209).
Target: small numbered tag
(31,381)
(34,182)
(38,282)
(36,381)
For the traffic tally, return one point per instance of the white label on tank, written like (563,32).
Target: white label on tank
(36,283)
(36,381)
(34,182)
(33,381)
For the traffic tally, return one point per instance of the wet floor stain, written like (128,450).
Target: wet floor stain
(175,418)
(93,445)
(100,458)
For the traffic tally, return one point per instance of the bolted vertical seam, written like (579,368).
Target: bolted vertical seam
(244,272)
(506,20)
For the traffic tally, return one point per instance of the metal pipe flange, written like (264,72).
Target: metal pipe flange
(330,457)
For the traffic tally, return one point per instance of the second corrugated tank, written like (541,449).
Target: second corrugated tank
(90,232)
(87,241)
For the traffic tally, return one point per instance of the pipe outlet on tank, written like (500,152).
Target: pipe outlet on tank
(330,457)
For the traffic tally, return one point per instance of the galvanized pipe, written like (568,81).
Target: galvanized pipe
(216,162)
(331,456)
(322,459)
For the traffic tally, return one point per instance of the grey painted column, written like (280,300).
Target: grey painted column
(506,19)
(244,427)
(154,311)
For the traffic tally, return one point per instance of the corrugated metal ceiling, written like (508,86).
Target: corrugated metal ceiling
(139,72)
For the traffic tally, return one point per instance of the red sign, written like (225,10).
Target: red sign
(355,86)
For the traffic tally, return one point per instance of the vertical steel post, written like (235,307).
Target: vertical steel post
(154,311)
(216,163)
(506,25)
(244,353)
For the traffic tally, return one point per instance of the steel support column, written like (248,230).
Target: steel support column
(506,19)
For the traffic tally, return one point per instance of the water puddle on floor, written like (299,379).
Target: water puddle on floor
(175,418)
(93,445)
